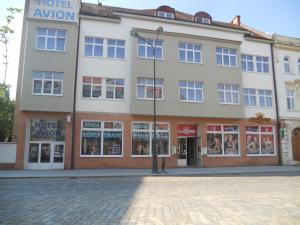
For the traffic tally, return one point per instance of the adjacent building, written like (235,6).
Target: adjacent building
(86,89)
(287,66)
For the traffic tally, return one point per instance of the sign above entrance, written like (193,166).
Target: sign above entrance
(187,130)
(59,10)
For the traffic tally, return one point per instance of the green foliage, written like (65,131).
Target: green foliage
(7,107)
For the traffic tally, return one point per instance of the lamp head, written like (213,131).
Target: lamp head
(159,29)
(134,34)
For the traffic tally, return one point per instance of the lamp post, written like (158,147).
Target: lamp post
(153,46)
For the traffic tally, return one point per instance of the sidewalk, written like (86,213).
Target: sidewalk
(147,172)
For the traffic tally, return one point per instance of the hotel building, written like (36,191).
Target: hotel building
(86,89)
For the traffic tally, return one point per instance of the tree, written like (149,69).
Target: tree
(7,107)
(5,30)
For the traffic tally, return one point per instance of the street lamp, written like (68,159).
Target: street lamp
(153,46)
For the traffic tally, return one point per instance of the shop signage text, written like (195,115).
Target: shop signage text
(61,10)
(187,130)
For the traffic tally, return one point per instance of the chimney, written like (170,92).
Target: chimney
(236,20)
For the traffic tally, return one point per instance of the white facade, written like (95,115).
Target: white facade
(259,80)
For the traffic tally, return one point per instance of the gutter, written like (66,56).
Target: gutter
(74,99)
(277,110)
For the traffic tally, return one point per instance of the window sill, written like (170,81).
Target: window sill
(217,156)
(149,156)
(233,67)
(195,63)
(101,156)
(185,101)
(46,50)
(150,58)
(150,99)
(260,155)
(103,99)
(52,95)
(221,103)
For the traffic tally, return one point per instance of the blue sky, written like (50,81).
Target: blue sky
(271,16)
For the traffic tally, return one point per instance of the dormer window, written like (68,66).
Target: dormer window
(202,17)
(165,15)
(165,11)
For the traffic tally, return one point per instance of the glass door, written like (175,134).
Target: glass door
(182,152)
(46,155)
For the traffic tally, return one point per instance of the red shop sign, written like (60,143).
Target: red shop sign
(187,130)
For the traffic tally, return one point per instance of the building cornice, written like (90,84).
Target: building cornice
(177,22)
(187,35)
(259,40)
(97,18)
(287,47)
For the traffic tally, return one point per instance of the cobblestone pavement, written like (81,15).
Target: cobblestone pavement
(259,200)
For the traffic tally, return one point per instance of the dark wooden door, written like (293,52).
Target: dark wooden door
(296,144)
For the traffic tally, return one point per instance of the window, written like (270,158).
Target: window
(222,140)
(145,88)
(265,98)
(262,64)
(247,63)
(165,15)
(114,88)
(146,48)
(51,39)
(91,87)
(287,64)
(290,99)
(205,20)
(250,96)
(93,46)
(143,136)
(228,93)
(189,52)
(259,140)
(47,83)
(226,56)
(100,138)
(191,91)
(116,49)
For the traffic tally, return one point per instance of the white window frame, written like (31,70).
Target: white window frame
(262,63)
(186,50)
(222,132)
(246,61)
(150,85)
(52,83)
(94,44)
(46,36)
(146,45)
(287,65)
(248,95)
(103,88)
(231,93)
(205,20)
(116,46)
(222,54)
(290,96)
(259,138)
(92,87)
(114,87)
(165,15)
(192,88)
(265,96)
(150,130)
(102,129)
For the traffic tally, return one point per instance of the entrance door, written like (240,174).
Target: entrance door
(192,151)
(46,155)
(296,144)
(187,151)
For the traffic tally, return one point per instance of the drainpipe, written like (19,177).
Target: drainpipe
(74,99)
(277,110)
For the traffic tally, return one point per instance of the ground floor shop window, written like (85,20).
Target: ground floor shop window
(143,138)
(260,140)
(222,140)
(100,138)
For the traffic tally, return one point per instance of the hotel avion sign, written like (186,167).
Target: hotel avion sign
(59,10)
(187,130)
